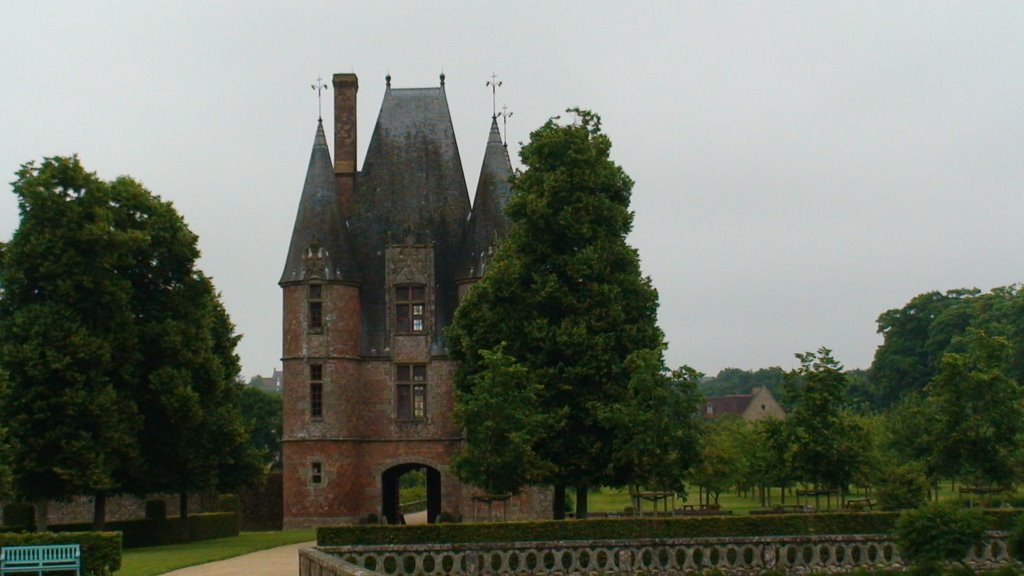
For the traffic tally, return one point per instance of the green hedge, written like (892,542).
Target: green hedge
(157,532)
(101,551)
(628,529)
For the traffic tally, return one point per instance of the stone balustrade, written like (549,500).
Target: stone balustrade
(746,556)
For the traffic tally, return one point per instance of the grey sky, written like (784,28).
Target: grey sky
(800,167)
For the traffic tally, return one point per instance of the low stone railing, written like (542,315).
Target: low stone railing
(668,557)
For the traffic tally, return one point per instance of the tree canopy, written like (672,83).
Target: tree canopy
(120,356)
(565,302)
(917,336)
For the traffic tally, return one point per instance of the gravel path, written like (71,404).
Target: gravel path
(282,561)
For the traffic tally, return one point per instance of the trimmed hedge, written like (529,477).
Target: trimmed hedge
(157,532)
(628,529)
(101,551)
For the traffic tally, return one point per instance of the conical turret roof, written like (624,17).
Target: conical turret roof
(320,244)
(487,223)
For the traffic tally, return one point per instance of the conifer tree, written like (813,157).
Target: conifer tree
(565,300)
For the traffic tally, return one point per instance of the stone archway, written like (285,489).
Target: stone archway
(390,503)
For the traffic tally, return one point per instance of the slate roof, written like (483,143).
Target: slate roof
(488,223)
(735,404)
(411,190)
(319,219)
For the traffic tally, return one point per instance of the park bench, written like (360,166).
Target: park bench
(41,559)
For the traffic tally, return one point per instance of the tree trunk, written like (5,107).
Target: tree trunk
(558,502)
(183,506)
(99,512)
(183,515)
(581,502)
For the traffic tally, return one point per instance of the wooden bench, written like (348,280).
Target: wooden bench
(40,559)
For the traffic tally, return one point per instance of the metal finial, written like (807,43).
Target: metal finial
(442,78)
(494,83)
(319,86)
(387,80)
(505,115)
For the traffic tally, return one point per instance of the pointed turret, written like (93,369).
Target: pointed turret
(487,223)
(320,244)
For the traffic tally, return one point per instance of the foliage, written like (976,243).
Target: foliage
(917,336)
(828,444)
(731,381)
(564,299)
(20,515)
(1015,540)
(161,531)
(979,413)
(261,412)
(772,450)
(938,533)
(101,551)
(657,428)
(119,353)
(726,443)
(498,409)
(68,339)
(902,487)
(614,529)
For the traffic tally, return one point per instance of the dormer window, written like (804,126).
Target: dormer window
(316,307)
(410,309)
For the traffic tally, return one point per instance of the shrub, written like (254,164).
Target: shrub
(903,487)
(1015,540)
(20,517)
(101,551)
(938,533)
(153,532)
(229,503)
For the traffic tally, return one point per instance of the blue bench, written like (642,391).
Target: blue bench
(40,559)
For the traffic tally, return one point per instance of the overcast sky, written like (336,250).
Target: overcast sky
(800,167)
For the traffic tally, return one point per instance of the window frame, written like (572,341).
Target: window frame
(411,392)
(315,307)
(408,298)
(316,472)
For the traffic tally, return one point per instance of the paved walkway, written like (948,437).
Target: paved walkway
(281,561)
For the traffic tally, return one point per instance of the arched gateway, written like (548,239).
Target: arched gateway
(377,263)
(391,488)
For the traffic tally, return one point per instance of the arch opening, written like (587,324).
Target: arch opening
(410,485)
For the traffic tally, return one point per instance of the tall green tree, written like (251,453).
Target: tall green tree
(657,429)
(68,337)
(498,408)
(979,414)
(565,297)
(725,444)
(261,412)
(120,355)
(827,447)
(5,454)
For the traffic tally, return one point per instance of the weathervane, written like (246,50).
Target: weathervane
(494,83)
(505,115)
(319,87)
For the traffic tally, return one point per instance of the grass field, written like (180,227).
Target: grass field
(616,499)
(158,560)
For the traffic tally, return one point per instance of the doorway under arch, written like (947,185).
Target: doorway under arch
(391,485)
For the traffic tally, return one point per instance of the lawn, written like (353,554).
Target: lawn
(161,559)
(615,500)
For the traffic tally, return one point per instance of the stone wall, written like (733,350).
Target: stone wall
(670,557)
(80,509)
